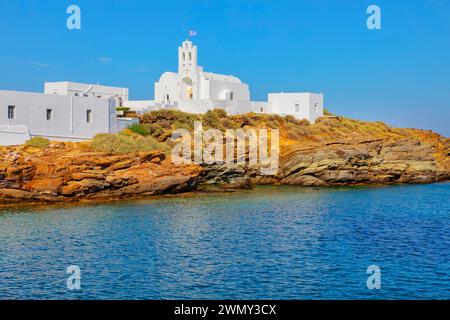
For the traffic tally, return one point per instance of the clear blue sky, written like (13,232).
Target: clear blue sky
(400,74)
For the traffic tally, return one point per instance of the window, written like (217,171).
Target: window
(167,97)
(297,108)
(88,115)
(317,107)
(190,56)
(184,56)
(11,112)
(231,95)
(49,114)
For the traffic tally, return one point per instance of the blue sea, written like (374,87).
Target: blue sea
(267,243)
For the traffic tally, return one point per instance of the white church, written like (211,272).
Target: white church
(70,111)
(193,90)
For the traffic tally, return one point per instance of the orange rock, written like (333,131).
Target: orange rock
(43,168)
(50,185)
(15,195)
(87,175)
(122,165)
(84,186)
(156,160)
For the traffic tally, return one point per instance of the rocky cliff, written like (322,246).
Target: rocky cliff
(334,151)
(372,162)
(339,151)
(64,172)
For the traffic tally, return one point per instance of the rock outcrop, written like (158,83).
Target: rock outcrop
(63,174)
(333,152)
(369,162)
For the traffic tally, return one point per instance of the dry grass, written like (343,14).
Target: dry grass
(38,142)
(119,143)
(328,128)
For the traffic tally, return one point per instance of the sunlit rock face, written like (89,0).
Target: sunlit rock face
(62,173)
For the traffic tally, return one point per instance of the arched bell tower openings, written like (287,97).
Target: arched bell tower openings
(187,58)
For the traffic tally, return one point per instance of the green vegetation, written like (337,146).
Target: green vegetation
(117,143)
(211,119)
(38,142)
(122,109)
(156,128)
(139,129)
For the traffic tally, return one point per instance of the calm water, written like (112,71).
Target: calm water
(275,243)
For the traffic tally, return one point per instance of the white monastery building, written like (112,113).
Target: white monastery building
(70,111)
(66,111)
(193,90)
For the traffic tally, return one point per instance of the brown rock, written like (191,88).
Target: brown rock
(151,155)
(43,168)
(50,185)
(122,165)
(304,180)
(15,195)
(156,160)
(82,187)
(116,182)
(87,175)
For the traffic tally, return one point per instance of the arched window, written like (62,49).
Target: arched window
(184,56)
(190,56)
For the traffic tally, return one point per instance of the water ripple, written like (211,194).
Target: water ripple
(270,243)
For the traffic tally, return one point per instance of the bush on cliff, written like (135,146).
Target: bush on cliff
(211,119)
(327,128)
(115,143)
(38,142)
(139,129)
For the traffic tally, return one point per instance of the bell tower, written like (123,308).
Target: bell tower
(187,59)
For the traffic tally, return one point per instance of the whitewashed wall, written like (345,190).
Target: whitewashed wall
(285,104)
(168,84)
(69,116)
(71,88)
(13,135)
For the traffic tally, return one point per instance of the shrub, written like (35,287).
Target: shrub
(303,123)
(290,119)
(212,120)
(155,129)
(150,143)
(169,116)
(114,143)
(38,142)
(139,129)
(182,125)
(221,113)
(127,132)
(228,123)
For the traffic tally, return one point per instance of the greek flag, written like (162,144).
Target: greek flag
(192,33)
